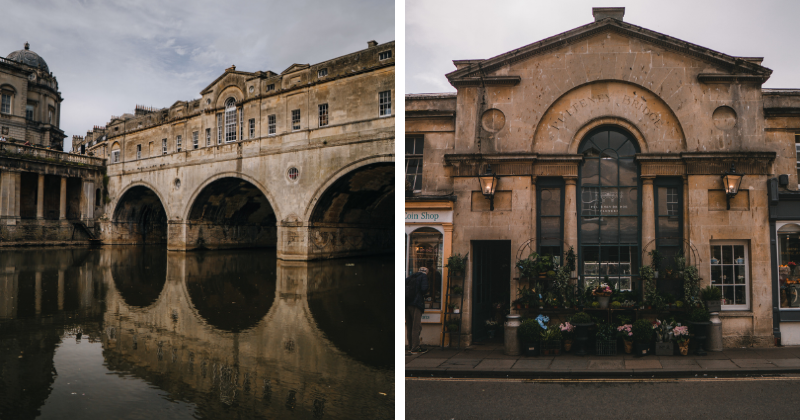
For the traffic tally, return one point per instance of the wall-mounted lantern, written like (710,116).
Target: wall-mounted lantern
(731,180)
(488,183)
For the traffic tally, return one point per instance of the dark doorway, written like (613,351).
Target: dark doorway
(491,275)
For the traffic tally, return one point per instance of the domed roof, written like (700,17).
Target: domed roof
(29,57)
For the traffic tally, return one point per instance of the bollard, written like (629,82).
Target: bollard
(714,342)
(510,336)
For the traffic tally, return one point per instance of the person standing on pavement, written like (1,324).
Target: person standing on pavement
(416,286)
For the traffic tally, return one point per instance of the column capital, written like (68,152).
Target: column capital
(533,179)
(570,180)
(647,180)
(448,227)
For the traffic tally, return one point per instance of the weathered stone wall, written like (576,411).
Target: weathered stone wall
(32,232)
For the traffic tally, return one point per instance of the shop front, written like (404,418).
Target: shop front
(785,232)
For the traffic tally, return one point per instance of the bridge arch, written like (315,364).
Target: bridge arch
(139,216)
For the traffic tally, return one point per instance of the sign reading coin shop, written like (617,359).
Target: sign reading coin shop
(604,149)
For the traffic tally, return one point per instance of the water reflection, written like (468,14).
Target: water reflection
(236,334)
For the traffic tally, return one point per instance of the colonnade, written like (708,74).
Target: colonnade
(11,193)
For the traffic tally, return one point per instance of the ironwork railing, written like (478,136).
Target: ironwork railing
(37,153)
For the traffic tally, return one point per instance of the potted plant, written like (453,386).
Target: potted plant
(603,294)
(568,333)
(664,346)
(712,295)
(491,327)
(699,320)
(605,343)
(452,327)
(642,331)
(582,321)
(456,290)
(625,332)
(528,266)
(551,342)
(457,265)
(655,261)
(456,310)
(530,332)
(451,306)
(544,264)
(681,334)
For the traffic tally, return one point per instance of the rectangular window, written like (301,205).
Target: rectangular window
(115,156)
(178,143)
(550,205)
(295,119)
(797,155)
(208,137)
(163,146)
(729,262)
(385,103)
(272,121)
(323,115)
(195,139)
(219,128)
(669,233)
(50,112)
(29,112)
(241,123)
(789,265)
(384,55)
(270,87)
(5,103)
(252,127)
(322,72)
(138,151)
(414,146)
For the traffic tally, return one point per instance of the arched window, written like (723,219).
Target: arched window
(230,120)
(609,209)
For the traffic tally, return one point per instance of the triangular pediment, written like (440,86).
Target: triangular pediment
(221,79)
(295,67)
(482,72)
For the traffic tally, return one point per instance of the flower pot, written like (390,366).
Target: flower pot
(519,306)
(628,346)
(455,311)
(567,345)
(684,348)
(550,348)
(603,301)
(664,349)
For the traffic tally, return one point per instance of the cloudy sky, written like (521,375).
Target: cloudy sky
(110,55)
(438,32)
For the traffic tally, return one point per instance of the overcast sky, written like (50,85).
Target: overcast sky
(110,55)
(438,32)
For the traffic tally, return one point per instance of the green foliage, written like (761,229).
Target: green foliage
(699,315)
(711,293)
(649,283)
(616,305)
(452,327)
(606,331)
(456,290)
(457,264)
(569,260)
(581,318)
(528,266)
(655,259)
(595,304)
(679,304)
(553,333)
(691,285)
(642,331)
(529,331)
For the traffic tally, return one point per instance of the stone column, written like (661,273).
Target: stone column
(62,205)
(10,196)
(60,290)
(648,217)
(40,198)
(686,231)
(570,214)
(447,252)
(87,201)
(533,214)
(38,292)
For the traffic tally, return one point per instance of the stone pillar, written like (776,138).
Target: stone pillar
(40,198)
(648,217)
(87,201)
(38,292)
(533,214)
(570,214)
(466,311)
(686,231)
(10,196)
(60,290)
(62,204)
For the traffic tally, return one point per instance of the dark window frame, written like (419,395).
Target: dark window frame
(547,184)
(417,142)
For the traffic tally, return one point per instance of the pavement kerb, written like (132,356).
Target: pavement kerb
(583,374)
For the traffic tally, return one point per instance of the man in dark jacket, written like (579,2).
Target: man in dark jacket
(415,305)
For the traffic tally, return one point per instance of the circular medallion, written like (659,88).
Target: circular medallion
(493,120)
(724,118)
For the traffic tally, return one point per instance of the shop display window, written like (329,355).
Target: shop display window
(729,272)
(789,265)
(425,248)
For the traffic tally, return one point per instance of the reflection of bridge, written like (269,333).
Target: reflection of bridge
(173,335)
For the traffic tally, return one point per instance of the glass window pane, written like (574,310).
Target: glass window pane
(608,171)
(591,257)
(669,227)
(616,140)
(627,172)
(628,230)
(716,274)
(740,275)
(738,254)
(627,150)
(727,293)
(409,146)
(609,201)
(727,254)
(609,230)
(551,202)
(716,253)
(425,250)
(590,201)
(551,231)
(628,201)
(590,230)
(740,297)
(418,145)
(601,140)
(590,172)
(727,274)
(610,253)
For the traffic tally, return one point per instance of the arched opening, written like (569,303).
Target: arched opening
(355,214)
(609,194)
(231,213)
(139,218)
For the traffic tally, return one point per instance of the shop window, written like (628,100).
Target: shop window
(669,233)
(414,146)
(138,151)
(29,112)
(789,265)
(550,206)
(252,127)
(609,210)
(729,262)
(797,155)
(163,146)
(178,143)
(425,247)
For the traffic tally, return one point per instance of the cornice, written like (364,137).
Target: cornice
(731,78)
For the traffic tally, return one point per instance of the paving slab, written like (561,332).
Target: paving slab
(741,354)
(643,364)
(461,363)
(786,363)
(490,364)
(683,362)
(438,354)
(500,355)
(753,363)
(606,364)
(532,364)
(569,364)
(425,363)
(478,354)
(716,364)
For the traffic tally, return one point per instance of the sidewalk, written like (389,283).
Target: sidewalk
(489,361)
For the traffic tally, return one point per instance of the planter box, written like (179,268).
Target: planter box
(665,349)
(550,348)
(605,347)
(714,305)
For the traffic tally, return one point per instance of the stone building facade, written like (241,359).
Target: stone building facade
(30,103)
(609,139)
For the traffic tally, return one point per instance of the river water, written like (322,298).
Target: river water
(133,332)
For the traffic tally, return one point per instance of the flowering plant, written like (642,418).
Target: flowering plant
(662,330)
(625,332)
(567,330)
(542,320)
(792,264)
(491,324)
(681,334)
(602,290)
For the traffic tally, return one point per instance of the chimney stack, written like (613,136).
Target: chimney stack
(371,44)
(601,13)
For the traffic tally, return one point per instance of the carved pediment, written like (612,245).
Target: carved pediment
(295,67)
(226,79)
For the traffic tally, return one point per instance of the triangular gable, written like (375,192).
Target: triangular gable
(295,67)
(218,79)
(477,68)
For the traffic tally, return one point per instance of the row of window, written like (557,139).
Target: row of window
(383,55)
